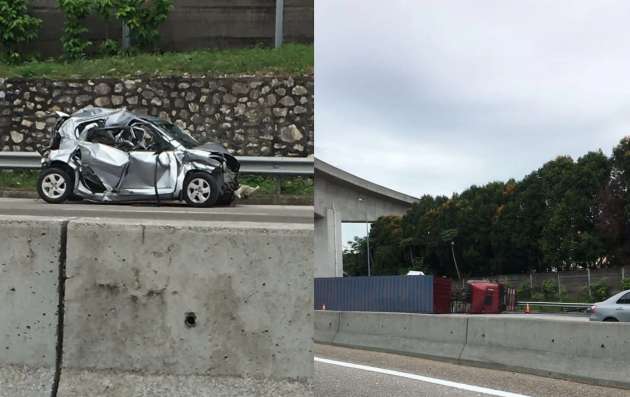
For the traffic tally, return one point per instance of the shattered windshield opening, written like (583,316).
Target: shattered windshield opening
(176,133)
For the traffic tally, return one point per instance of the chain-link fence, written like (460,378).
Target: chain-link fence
(579,286)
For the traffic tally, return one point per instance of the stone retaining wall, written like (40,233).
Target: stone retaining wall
(249,115)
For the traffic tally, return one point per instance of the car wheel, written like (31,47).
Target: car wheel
(226,198)
(201,190)
(54,185)
(74,197)
(611,320)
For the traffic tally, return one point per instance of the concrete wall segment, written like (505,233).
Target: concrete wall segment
(30,250)
(133,290)
(208,308)
(571,349)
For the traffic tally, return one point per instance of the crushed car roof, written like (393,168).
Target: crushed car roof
(113,117)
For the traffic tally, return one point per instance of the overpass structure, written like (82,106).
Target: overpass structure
(343,197)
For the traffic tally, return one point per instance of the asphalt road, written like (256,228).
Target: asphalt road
(169,211)
(411,376)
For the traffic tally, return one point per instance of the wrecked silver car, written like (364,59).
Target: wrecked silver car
(112,155)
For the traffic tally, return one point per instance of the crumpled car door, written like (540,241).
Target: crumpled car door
(142,168)
(107,163)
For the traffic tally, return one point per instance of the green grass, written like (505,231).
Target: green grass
(298,186)
(290,59)
(22,180)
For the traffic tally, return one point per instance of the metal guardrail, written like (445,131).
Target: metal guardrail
(19,160)
(279,166)
(570,305)
(298,166)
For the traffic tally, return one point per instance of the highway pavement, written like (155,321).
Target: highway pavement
(169,211)
(342,372)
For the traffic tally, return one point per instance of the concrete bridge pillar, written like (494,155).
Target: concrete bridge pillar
(343,197)
(328,245)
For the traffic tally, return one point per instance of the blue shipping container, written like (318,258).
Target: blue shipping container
(404,294)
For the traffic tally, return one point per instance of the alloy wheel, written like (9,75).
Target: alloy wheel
(198,190)
(54,186)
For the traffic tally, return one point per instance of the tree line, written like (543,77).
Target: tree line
(568,214)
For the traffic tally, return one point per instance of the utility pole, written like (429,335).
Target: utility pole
(279,24)
(126,39)
(558,277)
(367,237)
(459,276)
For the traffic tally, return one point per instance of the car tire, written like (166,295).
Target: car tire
(226,198)
(201,190)
(611,320)
(75,198)
(54,185)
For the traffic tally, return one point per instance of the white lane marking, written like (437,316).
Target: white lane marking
(447,383)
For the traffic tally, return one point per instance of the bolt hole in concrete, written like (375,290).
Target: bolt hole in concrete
(190,319)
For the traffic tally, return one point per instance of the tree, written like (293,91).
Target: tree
(567,214)
(476,219)
(354,257)
(385,243)
(592,173)
(613,219)
(16,27)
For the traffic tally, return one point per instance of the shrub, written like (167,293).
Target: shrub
(73,40)
(16,26)
(550,290)
(143,18)
(109,47)
(582,296)
(600,291)
(625,284)
(524,292)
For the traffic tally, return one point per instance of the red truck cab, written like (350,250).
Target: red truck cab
(485,297)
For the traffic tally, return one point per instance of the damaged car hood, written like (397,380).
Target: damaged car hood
(215,148)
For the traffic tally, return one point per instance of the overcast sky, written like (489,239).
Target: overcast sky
(430,97)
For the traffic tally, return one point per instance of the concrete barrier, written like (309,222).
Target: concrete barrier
(326,326)
(592,352)
(418,334)
(155,308)
(30,255)
(589,352)
(231,302)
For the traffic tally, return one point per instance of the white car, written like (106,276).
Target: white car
(112,155)
(615,308)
